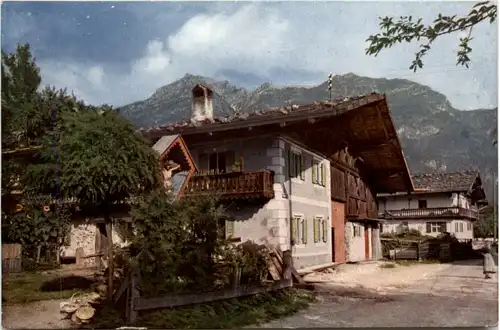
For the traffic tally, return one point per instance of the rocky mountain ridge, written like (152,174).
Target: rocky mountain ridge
(434,135)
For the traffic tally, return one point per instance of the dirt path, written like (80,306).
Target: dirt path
(373,276)
(453,295)
(36,315)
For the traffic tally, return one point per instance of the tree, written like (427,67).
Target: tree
(486,225)
(96,158)
(405,29)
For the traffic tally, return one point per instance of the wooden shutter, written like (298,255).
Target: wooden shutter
(302,167)
(290,163)
(314,174)
(293,223)
(229,228)
(316,229)
(428,225)
(325,230)
(323,175)
(304,231)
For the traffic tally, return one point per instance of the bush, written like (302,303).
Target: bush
(180,246)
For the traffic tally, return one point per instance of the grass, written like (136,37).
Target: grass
(393,264)
(415,262)
(219,314)
(388,265)
(26,287)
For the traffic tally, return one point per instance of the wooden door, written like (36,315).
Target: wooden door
(367,244)
(338,230)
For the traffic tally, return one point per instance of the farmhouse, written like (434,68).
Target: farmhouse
(441,202)
(301,178)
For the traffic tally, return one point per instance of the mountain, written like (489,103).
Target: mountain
(434,135)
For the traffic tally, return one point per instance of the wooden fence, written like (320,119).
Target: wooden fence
(401,249)
(280,270)
(11,258)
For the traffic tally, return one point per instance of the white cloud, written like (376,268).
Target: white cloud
(319,36)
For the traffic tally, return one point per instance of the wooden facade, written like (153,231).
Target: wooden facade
(350,186)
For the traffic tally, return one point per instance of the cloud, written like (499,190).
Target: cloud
(304,40)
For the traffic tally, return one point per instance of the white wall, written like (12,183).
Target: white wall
(355,245)
(400,202)
(391,226)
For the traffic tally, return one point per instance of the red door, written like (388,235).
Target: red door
(367,243)
(338,230)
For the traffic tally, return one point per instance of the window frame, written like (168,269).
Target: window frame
(438,225)
(424,203)
(296,164)
(299,230)
(320,229)
(318,172)
(357,231)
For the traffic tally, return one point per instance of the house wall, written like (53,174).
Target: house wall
(269,223)
(265,223)
(433,200)
(83,234)
(392,226)
(355,245)
(309,200)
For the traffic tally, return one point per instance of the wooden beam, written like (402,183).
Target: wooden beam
(143,303)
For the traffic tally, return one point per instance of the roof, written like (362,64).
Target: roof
(460,181)
(363,123)
(173,148)
(468,181)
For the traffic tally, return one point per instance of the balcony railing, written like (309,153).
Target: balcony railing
(232,185)
(437,212)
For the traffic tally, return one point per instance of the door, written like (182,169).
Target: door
(367,243)
(338,230)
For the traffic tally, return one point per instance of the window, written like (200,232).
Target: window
(436,227)
(217,162)
(296,165)
(357,231)
(422,204)
(459,227)
(318,173)
(320,230)
(469,226)
(229,228)
(299,230)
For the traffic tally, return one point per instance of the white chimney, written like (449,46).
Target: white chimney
(202,105)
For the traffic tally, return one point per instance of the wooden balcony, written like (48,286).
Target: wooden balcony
(435,213)
(233,185)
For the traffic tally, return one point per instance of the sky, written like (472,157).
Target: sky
(121,52)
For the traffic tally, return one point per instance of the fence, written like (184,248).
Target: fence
(280,270)
(401,249)
(11,258)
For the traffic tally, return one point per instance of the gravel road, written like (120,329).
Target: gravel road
(455,295)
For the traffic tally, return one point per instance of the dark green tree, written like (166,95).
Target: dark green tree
(407,29)
(95,158)
(486,225)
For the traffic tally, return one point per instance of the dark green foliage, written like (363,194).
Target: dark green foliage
(180,247)
(95,157)
(37,226)
(487,223)
(406,29)
(176,244)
